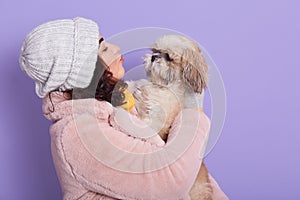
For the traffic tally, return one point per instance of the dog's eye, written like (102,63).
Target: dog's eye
(167,57)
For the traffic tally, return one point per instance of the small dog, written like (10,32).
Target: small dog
(176,70)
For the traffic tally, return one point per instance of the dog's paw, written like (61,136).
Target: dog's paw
(201,192)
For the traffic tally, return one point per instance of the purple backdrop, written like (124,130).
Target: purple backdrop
(255,45)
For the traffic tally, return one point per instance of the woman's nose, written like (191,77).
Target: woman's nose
(115,49)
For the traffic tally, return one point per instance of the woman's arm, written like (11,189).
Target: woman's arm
(106,161)
(131,125)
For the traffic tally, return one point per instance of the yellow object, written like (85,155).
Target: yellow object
(199,109)
(129,101)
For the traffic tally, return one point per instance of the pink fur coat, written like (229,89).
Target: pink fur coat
(95,160)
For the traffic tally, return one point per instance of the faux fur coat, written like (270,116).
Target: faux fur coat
(95,160)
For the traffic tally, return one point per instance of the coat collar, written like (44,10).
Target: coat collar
(58,105)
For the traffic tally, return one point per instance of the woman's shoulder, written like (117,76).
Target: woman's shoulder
(56,106)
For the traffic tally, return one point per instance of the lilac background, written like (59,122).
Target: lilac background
(256,47)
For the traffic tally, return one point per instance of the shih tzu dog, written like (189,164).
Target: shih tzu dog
(176,71)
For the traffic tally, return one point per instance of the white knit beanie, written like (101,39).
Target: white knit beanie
(61,54)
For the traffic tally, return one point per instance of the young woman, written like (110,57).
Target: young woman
(78,73)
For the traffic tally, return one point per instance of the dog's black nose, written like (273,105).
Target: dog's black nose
(153,58)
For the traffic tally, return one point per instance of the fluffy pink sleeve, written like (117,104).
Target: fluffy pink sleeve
(92,158)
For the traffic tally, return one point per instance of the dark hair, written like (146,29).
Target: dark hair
(102,87)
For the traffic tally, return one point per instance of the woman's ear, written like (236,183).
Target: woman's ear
(195,70)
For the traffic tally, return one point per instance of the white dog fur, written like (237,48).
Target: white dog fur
(177,74)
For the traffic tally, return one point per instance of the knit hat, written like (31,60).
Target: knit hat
(61,54)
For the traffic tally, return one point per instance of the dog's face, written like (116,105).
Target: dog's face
(174,58)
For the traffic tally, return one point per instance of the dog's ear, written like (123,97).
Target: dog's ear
(195,70)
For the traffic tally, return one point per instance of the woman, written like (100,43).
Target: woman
(93,159)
